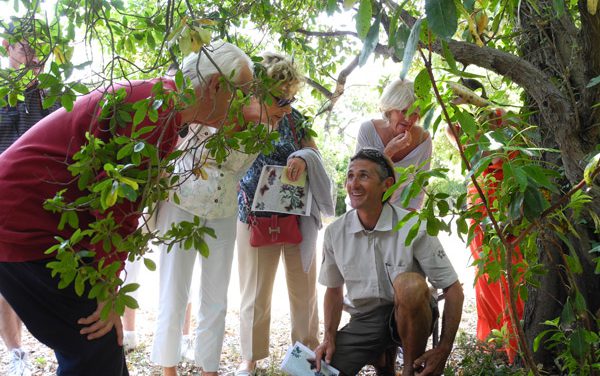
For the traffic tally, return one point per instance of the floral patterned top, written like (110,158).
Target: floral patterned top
(285,146)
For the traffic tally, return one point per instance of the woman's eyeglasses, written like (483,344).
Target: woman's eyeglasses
(282,102)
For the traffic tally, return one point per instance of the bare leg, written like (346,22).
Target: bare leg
(247,365)
(187,320)
(129,320)
(413,316)
(10,325)
(169,371)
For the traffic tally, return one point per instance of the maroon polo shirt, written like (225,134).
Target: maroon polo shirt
(34,168)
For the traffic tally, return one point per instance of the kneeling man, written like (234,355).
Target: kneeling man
(388,299)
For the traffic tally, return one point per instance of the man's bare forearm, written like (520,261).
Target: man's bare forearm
(332,307)
(452,314)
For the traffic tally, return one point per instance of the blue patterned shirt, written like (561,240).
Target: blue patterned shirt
(284,146)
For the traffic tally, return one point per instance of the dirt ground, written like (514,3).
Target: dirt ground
(44,363)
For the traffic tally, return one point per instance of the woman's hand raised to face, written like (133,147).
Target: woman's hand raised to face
(397,144)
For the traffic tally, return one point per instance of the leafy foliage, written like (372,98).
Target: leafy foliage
(134,39)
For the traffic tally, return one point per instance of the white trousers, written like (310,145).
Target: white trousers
(257,269)
(175,273)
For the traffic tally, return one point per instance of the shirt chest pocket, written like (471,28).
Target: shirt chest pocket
(361,281)
(393,269)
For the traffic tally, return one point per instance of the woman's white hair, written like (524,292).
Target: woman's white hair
(398,95)
(198,68)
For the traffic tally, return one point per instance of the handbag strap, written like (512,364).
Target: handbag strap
(251,216)
(293,128)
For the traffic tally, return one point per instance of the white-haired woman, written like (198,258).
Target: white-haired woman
(398,134)
(211,195)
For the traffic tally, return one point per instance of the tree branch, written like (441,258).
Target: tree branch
(320,88)
(339,88)
(326,34)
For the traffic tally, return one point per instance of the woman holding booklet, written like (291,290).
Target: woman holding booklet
(258,263)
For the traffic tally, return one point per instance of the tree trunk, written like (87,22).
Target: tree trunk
(550,46)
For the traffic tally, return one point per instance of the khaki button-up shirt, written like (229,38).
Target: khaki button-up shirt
(368,261)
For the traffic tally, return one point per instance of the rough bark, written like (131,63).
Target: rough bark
(549,44)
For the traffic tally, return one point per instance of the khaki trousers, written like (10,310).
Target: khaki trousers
(257,269)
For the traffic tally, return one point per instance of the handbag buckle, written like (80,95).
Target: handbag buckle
(274,229)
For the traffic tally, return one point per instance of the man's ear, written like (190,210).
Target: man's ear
(388,182)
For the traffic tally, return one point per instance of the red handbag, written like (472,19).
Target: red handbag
(274,230)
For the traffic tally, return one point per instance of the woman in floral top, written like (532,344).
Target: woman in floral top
(258,265)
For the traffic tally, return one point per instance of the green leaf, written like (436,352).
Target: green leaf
(150,265)
(73,219)
(67,102)
(79,285)
(129,301)
(400,41)
(538,175)
(448,56)
(433,227)
(559,7)
(363,18)
(179,80)
(331,7)
(370,42)
(469,5)
(578,345)
(412,233)
(203,248)
(442,17)
(411,48)
(150,40)
(130,287)
(80,88)
(422,86)
(516,203)
(593,82)
(533,203)
(467,121)
(12,99)
(153,115)
(140,113)
(348,4)
(47,80)
(49,101)
(405,219)
(521,178)
(590,169)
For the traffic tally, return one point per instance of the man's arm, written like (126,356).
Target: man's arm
(434,360)
(332,307)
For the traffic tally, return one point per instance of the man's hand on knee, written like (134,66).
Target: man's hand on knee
(324,351)
(97,328)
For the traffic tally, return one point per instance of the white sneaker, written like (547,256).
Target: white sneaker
(187,348)
(18,365)
(129,341)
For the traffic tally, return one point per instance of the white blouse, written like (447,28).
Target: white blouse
(213,195)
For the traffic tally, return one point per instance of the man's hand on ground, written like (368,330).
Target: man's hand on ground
(432,362)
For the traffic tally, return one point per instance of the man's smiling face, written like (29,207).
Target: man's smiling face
(365,185)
